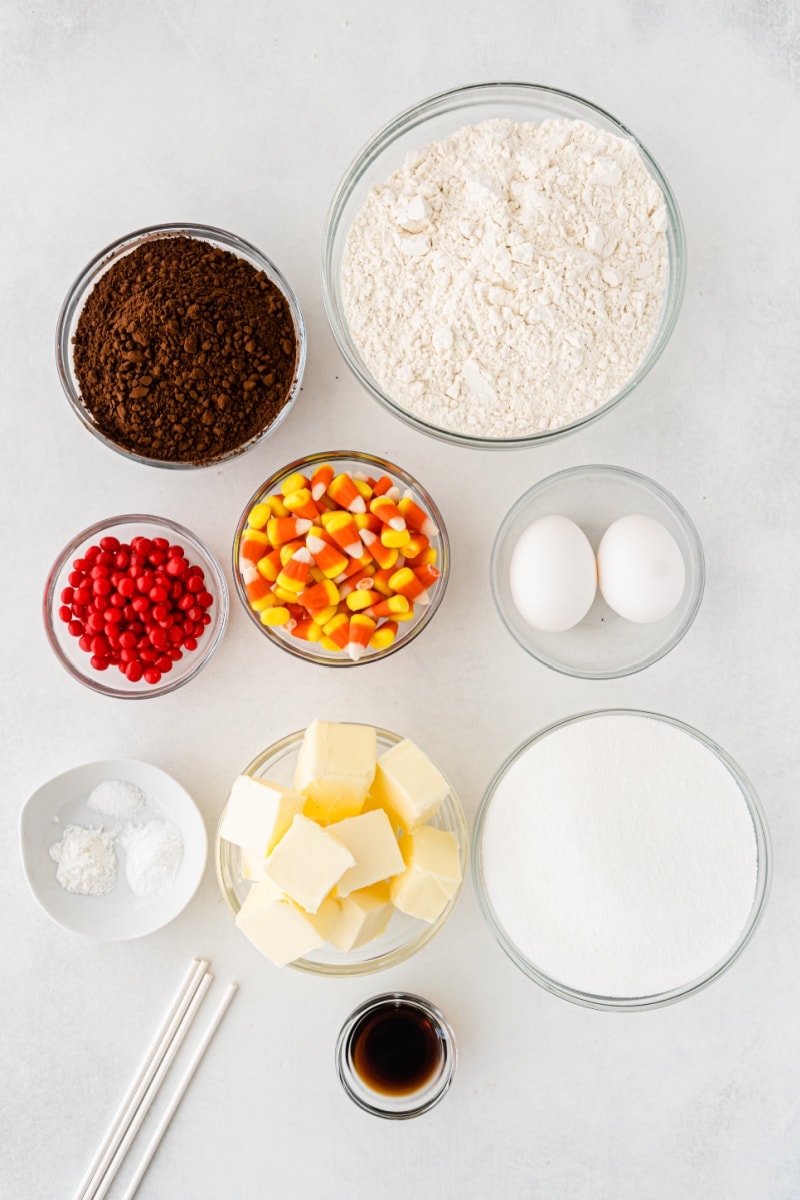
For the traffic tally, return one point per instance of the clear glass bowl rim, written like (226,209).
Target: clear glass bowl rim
(448,1037)
(671,502)
(394,957)
(85,281)
(636,1003)
(50,603)
(305,650)
(466,97)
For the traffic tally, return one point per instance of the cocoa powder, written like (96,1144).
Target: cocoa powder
(184,352)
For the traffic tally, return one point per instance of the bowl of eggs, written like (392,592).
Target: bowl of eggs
(597,572)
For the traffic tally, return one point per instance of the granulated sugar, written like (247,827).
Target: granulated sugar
(509,278)
(619,856)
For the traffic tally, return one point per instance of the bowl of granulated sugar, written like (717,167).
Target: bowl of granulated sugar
(621,859)
(502,264)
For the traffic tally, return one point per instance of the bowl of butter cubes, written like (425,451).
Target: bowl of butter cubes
(341,849)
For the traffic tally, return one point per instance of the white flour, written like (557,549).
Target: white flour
(509,278)
(620,857)
(87,864)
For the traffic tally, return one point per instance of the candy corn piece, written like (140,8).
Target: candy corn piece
(397,538)
(359,633)
(387,511)
(367,520)
(285,529)
(382,486)
(254,545)
(307,631)
(357,566)
(343,490)
(320,480)
(380,580)
(383,636)
(361,599)
(329,558)
(294,574)
(278,614)
(320,595)
(385,556)
(388,606)
(292,482)
(406,583)
(321,616)
(286,551)
(361,578)
(259,515)
(417,546)
(337,630)
(256,589)
(427,574)
(415,517)
(270,565)
(276,506)
(301,504)
(363,487)
(342,528)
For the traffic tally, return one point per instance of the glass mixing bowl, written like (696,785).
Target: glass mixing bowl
(111,682)
(78,294)
(437,118)
(603,645)
(627,1003)
(404,935)
(368,464)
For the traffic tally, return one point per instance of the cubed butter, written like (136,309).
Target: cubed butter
(254,864)
(259,813)
(370,839)
(307,862)
(335,768)
(408,785)
(432,874)
(362,916)
(281,929)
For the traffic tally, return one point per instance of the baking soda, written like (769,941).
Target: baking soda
(619,856)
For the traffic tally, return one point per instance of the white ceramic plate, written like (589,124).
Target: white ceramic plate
(119,915)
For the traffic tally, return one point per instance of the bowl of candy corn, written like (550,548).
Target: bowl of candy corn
(341,558)
(135,606)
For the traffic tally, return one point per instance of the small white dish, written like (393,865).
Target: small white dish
(119,915)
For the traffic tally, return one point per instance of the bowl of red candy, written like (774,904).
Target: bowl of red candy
(135,606)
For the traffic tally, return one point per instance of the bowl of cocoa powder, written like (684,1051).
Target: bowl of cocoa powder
(181,346)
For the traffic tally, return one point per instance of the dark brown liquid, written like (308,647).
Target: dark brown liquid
(396,1050)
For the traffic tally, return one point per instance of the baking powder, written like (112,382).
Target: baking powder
(619,856)
(508,279)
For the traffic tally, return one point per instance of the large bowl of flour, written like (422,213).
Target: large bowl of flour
(502,264)
(622,859)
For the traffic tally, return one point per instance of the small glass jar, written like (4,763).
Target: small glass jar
(396,1055)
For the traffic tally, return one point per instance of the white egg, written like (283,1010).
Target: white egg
(553,574)
(640,569)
